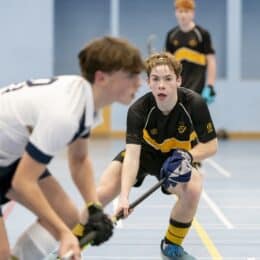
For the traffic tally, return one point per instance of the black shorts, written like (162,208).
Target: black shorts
(147,166)
(6,176)
(142,172)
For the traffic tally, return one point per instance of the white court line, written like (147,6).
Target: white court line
(119,223)
(217,211)
(250,258)
(219,168)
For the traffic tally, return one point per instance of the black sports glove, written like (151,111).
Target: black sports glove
(98,222)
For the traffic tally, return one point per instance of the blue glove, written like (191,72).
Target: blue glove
(208,94)
(176,168)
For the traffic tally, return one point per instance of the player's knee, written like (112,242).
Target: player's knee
(102,195)
(106,193)
(192,191)
(110,183)
(192,195)
(71,216)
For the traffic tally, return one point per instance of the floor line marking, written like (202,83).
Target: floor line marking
(206,240)
(219,168)
(217,210)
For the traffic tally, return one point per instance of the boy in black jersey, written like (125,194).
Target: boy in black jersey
(167,120)
(191,44)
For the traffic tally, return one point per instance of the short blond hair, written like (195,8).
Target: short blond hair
(163,58)
(185,4)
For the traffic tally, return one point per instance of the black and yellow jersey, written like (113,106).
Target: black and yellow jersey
(188,123)
(191,49)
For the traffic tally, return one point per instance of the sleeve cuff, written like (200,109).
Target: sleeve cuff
(37,154)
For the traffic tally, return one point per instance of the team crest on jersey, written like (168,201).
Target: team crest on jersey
(209,127)
(175,42)
(182,128)
(193,42)
(154,131)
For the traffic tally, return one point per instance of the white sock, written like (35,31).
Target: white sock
(35,243)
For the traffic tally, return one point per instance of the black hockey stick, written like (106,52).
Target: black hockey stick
(86,240)
(150,44)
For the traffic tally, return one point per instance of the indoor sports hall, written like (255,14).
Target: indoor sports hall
(41,39)
(226,224)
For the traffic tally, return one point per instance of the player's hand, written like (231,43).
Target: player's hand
(208,94)
(123,206)
(177,168)
(98,222)
(69,243)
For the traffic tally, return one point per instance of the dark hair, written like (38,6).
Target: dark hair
(109,54)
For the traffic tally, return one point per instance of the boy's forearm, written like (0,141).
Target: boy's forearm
(30,192)
(129,174)
(204,150)
(25,184)
(83,176)
(126,185)
(211,70)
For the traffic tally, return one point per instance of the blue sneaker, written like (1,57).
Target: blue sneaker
(174,252)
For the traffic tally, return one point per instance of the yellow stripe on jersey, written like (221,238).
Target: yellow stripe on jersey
(191,56)
(170,143)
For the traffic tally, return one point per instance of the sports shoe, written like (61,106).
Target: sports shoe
(174,252)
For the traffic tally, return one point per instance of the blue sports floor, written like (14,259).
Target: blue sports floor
(227,224)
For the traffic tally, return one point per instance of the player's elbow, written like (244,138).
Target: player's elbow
(19,183)
(16,183)
(76,163)
(77,158)
(213,147)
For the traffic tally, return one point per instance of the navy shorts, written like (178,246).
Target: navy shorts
(6,176)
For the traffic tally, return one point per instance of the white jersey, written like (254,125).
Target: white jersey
(43,116)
